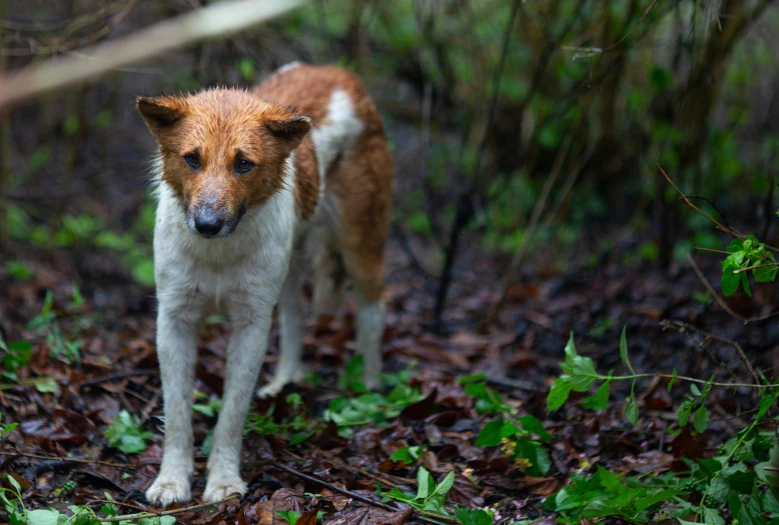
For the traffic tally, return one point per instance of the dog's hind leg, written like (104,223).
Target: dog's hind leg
(291,309)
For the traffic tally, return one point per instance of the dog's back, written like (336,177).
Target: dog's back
(343,174)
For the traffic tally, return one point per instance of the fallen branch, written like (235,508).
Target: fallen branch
(363,499)
(142,515)
(208,22)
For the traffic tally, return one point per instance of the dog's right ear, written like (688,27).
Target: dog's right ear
(160,113)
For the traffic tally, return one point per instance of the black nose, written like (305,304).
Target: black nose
(207,223)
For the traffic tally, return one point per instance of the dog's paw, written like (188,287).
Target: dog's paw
(168,488)
(219,489)
(272,389)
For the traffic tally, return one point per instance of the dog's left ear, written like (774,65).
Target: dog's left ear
(290,131)
(160,113)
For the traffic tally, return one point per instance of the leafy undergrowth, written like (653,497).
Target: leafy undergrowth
(485,425)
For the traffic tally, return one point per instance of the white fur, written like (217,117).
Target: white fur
(287,67)
(370,329)
(243,274)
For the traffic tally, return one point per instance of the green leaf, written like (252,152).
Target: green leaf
(683,415)
(729,280)
(46,385)
(290,516)
(745,283)
(42,517)
(600,400)
(700,420)
(472,517)
(423,483)
(570,349)
(623,350)
(559,393)
(713,517)
(490,435)
(446,484)
(534,425)
(631,410)
(766,274)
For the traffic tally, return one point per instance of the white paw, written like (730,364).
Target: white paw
(276,385)
(271,389)
(168,488)
(371,381)
(219,489)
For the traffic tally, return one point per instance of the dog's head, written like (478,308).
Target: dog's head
(223,151)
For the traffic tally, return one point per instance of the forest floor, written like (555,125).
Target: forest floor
(330,447)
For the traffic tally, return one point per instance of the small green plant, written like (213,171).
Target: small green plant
(515,437)
(747,255)
(6,429)
(408,455)
(18,270)
(371,407)
(731,485)
(430,499)
(299,428)
(209,408)
(126,434)
(429,496)
(487,400)
(16,355)
(290,516)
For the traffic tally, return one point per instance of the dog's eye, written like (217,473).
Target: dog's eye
(243,166)
(192,160)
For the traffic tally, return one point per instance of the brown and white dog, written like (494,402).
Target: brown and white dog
(250,182)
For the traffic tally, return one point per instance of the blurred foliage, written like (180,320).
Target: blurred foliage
(599,91)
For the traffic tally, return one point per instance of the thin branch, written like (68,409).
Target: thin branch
(646,13)
(463,214)
(755,267)
(213,20)
(173,512)
(74,460)
(689,203)
(719,299)
(363,499)
(719,225)
(709,335)
(699,248)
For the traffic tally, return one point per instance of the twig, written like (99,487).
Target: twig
(70,460)
(689,203)
(734,344)
(142,515)
(719,225)
(210,21)
(755,267)
(646,13)
(120,503)
(113,377)
(535,216)
(700,248)
(463,211)
(363,499)
(720,301)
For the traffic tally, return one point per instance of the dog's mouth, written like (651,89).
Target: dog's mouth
(212,224)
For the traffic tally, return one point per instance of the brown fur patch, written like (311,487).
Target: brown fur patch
(360,180)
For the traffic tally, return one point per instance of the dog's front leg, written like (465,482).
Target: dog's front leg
(250,322)
(177,323)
